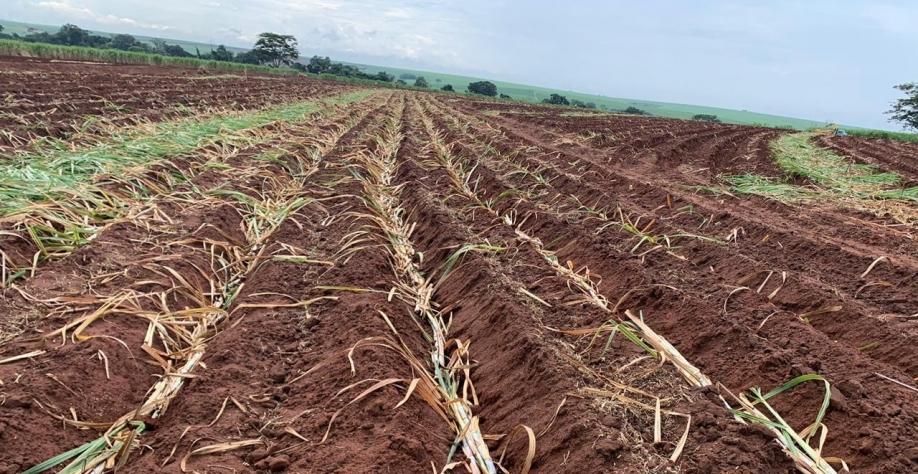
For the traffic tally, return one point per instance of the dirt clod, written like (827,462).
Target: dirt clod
(278,463)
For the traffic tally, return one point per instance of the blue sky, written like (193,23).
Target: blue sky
(817,59)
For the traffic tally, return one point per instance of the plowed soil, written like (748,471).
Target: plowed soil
(753,292)
(61,99)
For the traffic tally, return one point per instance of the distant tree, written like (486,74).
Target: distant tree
(905,110)
(72,35)
(276,50)
(401,82)
(706,118)
(42,37)
(634,110)
(421,82)
(448,88)
(384,76)
(166,49)
(505,96)
(318,64)
(583,105)
(159,45)
(247,57)
(221,54)
(483,88)
(556,99)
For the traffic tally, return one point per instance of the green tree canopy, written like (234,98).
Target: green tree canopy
(421,82)
(276,50)
(72,35)
(483,88)
(448,88)
(221,54)
(123,42)
(318,64)
(905,110)
(706,118)
(556,99)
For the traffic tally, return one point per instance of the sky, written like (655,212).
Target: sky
(818,59)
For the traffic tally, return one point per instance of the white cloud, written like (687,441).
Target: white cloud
(67,8)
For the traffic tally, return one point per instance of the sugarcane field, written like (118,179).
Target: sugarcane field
(208,269)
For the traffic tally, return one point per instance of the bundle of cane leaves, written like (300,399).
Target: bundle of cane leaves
(797,445)
(457,256)
(104,453)
(179,348)
(448,402)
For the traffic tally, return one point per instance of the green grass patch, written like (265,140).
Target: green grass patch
(882,134)
(55,170)
(767,187)
(833,179)
(799,156)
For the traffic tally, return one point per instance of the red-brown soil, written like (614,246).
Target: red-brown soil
(540,182)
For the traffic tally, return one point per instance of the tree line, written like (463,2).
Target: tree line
(270,49)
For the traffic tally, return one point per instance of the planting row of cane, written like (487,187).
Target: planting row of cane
(298,392)
(363,321)
(773,353)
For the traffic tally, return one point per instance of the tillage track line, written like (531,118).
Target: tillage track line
(447,378)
